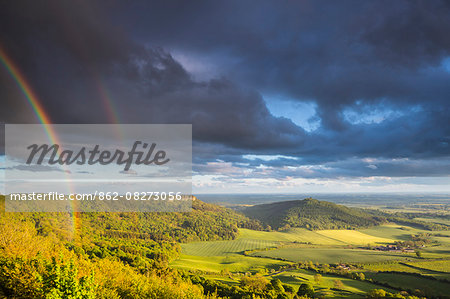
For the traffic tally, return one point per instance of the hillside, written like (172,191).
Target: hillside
(112,251)
(311,214)
(204,222)
(142,240)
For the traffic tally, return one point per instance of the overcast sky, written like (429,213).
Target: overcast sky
(283,96)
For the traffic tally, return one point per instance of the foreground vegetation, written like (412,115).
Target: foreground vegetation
(213,252)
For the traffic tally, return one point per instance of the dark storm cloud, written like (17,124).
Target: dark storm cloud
(74,54)
(343,56)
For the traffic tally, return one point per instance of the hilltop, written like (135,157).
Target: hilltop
(311,214)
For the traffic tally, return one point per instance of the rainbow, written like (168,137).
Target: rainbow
(40,113)
(109,107)
(29,94)
(107,102)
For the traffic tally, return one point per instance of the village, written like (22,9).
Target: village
(394,248)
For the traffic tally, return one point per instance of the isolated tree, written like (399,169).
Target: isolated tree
(376,293)
(317,278)
(277,285)
(288,288)
(254,283)
(61,281)
(338,284)
(419,253)
(305,289)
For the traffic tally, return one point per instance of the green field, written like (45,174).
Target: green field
(394,266)
(439,269)
(215,251)
(320,237)
(251,240)
(441,266)
(233,263)
(435,220)
(218,248)
(354,237)
(429,286)
(392,231)
(270,250)
(300,235)
(215,256)
(329,248)
(332,255)
(351,288)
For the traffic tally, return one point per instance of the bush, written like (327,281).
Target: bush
(305,289)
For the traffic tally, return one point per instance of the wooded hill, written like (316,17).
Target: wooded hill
(311,214)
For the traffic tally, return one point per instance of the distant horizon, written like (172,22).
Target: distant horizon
(300,193)
(359,199)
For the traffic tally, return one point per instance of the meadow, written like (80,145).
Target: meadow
(428,287)
(350,288)
(233,263)
(298,245)
(436,268)
(267,252)
(326,285)
(215,256)
(392,231)
(332,255)
(252,240)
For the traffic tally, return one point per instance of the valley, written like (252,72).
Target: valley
(217,252)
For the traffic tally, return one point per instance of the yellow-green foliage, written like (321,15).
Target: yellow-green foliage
(19,238)
(439,265)
(36,263)
(37,278)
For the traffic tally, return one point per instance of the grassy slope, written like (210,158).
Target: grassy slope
(392,231)
(251,240)
(429,286)
(218,255)
(351,288)
(233,263)
(401,232)
(332,255)
(213,255)
(438,268)
(435,220)
(357,288)
(323,246)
